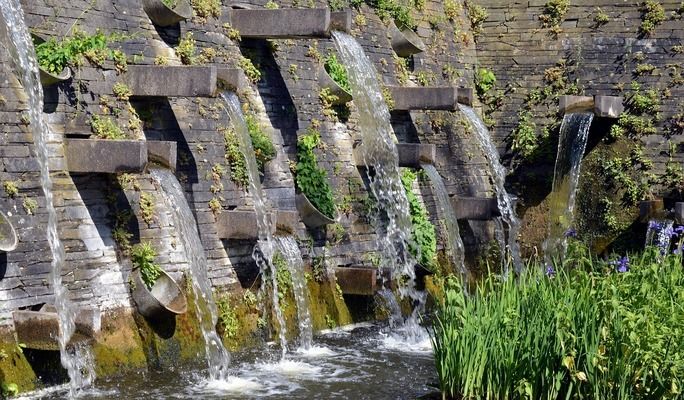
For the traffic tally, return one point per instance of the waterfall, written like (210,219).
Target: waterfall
(572,143)
(288,247)
(503,198)
(379,153)
(453,235)
(659,234)
(265,250)
(15,36)
(218,357)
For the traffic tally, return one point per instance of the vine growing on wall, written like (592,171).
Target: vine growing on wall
(423,245)
(312,180)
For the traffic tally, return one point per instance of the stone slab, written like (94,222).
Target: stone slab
(105,156)
(238,224)
(608,106)
(341,21)
(357,281)
(232,78)
(569,104)
(474,208)
(171,81)
(414,154)
(163,152)
(424,98)
(287,221)
(283,23)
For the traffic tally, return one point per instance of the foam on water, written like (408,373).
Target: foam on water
(292,368)
(316,352)
(406,343)
(232,384)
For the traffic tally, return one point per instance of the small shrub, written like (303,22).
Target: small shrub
(161,60)
(337,71)
(282,273)
(524,139)
(264,150)
(147,207)
(143,256)
(11,188)
(235,158)
(554,13)
(600,17)
(186,49)
(312,181)
(423,244)
(106,128)
(645,68)
(227,317)
(122,91)
(484,81)
(30,206)
(271,5)
(653,14)
(205,9)
(477,15)
(252,72)
(54,56)
(452,9)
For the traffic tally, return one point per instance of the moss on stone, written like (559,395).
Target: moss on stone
(14,367)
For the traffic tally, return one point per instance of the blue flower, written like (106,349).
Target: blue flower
(550,271)
(622,264)
(679,229)
(655,225)
(571,233)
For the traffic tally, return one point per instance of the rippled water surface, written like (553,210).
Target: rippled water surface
(361,363)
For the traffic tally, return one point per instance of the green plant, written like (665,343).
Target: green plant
(205,9)
(161,60)
(292,69)
(477,15)
(143,256)
(330,322)
(11,188)
(337,71)
(264,150)
(9,389)
(106,128)
(524,139)
(252,72)
(232,33)
(282,274)
(235,158)
(392,9)
(170,3)
(581,328)
(227,317)
(423,244)
(271,5)
(186,49)
(122,91)
(600,17)
(312,181)
(653,14)
(451,9)
(54,56)
(644,68)
(484,81)
(554,13)
(30,206)
(147,207)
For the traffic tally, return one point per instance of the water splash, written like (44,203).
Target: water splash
(503,198)
(444,202)
(378,150)
(14,34)
(288,247)
(218,358)
(572,143)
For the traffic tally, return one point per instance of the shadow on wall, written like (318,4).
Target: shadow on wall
(240,255)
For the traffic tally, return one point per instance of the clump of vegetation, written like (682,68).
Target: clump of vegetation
(205,9)
(235,158)
(147,207)
(143,256)
(264,150)
(451,9)
(54,56)
(11,188)
(640,116)
(106,128)
(477,15)
(122,91)
(583,328)
(524,138)
(423,244)
(653,14)
(337,71)
(227,317)
(282,274)
(390,9)
(186,49)
(271,5)
(312,181)
(484,81)
(170,3)
(30,206)
(252,72)
(554,13)
(600,17)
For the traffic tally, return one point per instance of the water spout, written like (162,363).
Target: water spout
(14,34)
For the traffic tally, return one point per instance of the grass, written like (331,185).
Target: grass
(583,332)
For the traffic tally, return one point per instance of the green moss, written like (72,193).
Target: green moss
(15,370)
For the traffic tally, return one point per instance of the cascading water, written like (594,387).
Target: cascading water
(14,34)
(444,202)
(379,153)
(572,143)
(218,358)
(503,198)
(288,247)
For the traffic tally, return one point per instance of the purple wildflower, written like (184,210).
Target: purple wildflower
(550,271)
(679,229)
(655,225)
(571,233)
(622,264)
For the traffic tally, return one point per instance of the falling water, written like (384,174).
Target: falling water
(444,202)
(14,35)
(289,248)
(263,253)
(572,143)
(218,357)
(503,199)
(659,234)
(379,153)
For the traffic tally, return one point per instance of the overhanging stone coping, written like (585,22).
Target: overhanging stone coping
(40,330)
(430,98)
(601,106)
(232,78)
(163,152)
(283,23)
(409,154)
(105,156)
(357,280)
(475,208)
(238,225)
(341,21)
(172,81)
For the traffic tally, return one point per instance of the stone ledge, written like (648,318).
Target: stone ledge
(429,98)
(414,154)
(601,106)
(171,81)
(232,78)
(163,152)
(357,281)
(341,21)
(41,330)
(287,221)
(284,23)
(105,156)
(238,225)
(474,208)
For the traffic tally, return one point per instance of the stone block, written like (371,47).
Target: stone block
(232,78)
(569,104)
(287,221)
(651,209)
(608,106)
(105,156)
(473,208)
(37,329)
(341,21)
(282,23)
(171,81)
(163,152)
(424,98)
(357,281)
(238,224)
(414,154)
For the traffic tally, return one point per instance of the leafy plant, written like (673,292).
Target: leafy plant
(54,56)
(147,207)
(235,158)
(282,273)
(484,81)
(143,256)
(11,188)
(106,128)
(554,13)
(524,138)
(252,72)
(264,150)
(186,49)
(30,206)
(390,9)
(312,181)
(477,15)
(122,91)
(227,317)
(653,14)
(451,9)
(337,71)
(423,245)
(600,18)
(205,9)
